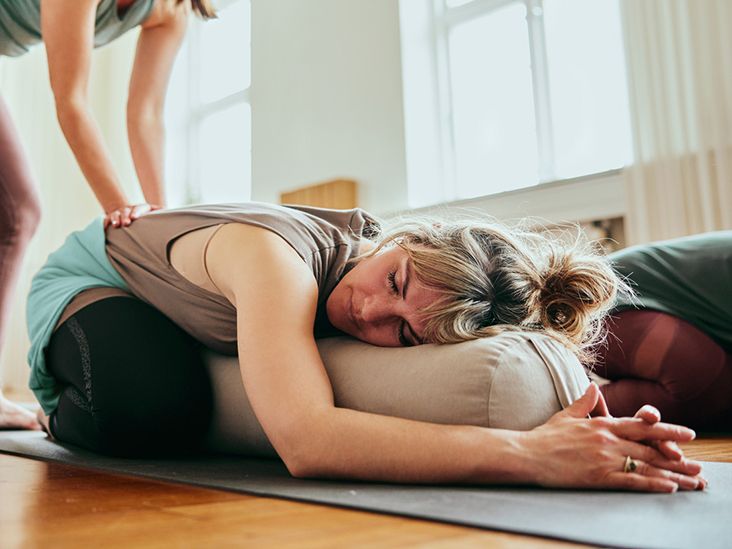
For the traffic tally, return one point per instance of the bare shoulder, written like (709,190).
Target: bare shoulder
(167,13)
(243,258)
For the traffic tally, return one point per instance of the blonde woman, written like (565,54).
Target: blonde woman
(265,281)
(70,29)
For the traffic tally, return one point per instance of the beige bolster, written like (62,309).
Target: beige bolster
(510,381)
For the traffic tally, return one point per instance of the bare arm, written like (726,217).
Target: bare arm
(275,296)
(68,31)
(157,47)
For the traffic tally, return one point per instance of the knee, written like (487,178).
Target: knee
(694,365)
(21,220)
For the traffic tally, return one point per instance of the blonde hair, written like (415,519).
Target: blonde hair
(495,278)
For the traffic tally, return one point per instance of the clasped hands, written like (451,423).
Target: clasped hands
(574,450)
(125,215)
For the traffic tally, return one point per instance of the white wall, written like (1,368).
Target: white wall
(327,98)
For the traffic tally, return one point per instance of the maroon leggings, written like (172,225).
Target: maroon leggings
(659,359)
(20,212)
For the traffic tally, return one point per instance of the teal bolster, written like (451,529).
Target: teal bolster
(79,264)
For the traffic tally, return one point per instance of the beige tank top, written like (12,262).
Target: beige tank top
(161,258)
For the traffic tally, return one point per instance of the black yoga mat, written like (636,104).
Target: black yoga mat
(613,519)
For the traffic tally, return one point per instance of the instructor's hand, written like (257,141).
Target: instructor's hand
(571,450)
(124,216)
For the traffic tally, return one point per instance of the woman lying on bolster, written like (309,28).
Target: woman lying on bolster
(267,280)
(671,345)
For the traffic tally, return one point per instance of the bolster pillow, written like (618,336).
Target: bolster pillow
(515,380)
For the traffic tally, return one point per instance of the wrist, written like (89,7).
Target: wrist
(110,206)
(509,458)
(528,457)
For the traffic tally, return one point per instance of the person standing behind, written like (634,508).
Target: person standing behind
(70,29)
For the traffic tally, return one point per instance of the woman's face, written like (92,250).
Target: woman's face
(380,300)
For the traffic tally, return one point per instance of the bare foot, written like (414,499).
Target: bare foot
(13,416)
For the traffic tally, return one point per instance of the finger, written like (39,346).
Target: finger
(106,222)
(640,483)
(136,212)
(684,466)
(114,218)
(685,482)
(125,216)
(638,429)
(139,210)
(583,405)
(653,457)
(649,414)
(669,449)
(600,408)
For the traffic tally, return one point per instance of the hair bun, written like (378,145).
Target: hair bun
(560,305)
(575,290)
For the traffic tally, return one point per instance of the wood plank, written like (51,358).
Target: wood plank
(340,194)
(710,448)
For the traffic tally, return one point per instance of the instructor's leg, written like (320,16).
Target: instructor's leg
(19,215)
(135,383)
(656,358)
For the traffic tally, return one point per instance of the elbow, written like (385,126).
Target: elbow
(143,114)
(299,468)
(69,108)
(301,460)
(301,448)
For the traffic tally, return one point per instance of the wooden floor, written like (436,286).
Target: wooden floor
(52,505)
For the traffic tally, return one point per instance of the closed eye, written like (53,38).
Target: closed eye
(395,290)
(392,282)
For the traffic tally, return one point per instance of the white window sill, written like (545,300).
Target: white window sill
(586,198)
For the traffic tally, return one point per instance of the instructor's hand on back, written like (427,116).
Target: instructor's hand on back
(125,215)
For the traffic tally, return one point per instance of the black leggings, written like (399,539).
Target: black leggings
(134,383)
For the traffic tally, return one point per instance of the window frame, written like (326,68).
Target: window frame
(446,18)
(440,19)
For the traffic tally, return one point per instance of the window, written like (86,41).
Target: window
(527,91)
(208,114)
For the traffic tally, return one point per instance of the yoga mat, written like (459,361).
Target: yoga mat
(611,519)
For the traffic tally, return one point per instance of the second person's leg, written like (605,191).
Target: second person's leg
(659,359)
(20,212)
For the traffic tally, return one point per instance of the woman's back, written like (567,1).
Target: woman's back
(325,239)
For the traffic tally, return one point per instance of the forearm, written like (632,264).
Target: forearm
(86,142)
(146,134)
(351,444)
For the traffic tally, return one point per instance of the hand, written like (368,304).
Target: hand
(571,450)
(124,216)
(668,448)
(650,415)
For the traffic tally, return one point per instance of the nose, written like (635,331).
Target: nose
(375,309)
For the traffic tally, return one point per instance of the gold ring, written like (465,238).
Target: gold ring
(630,465)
